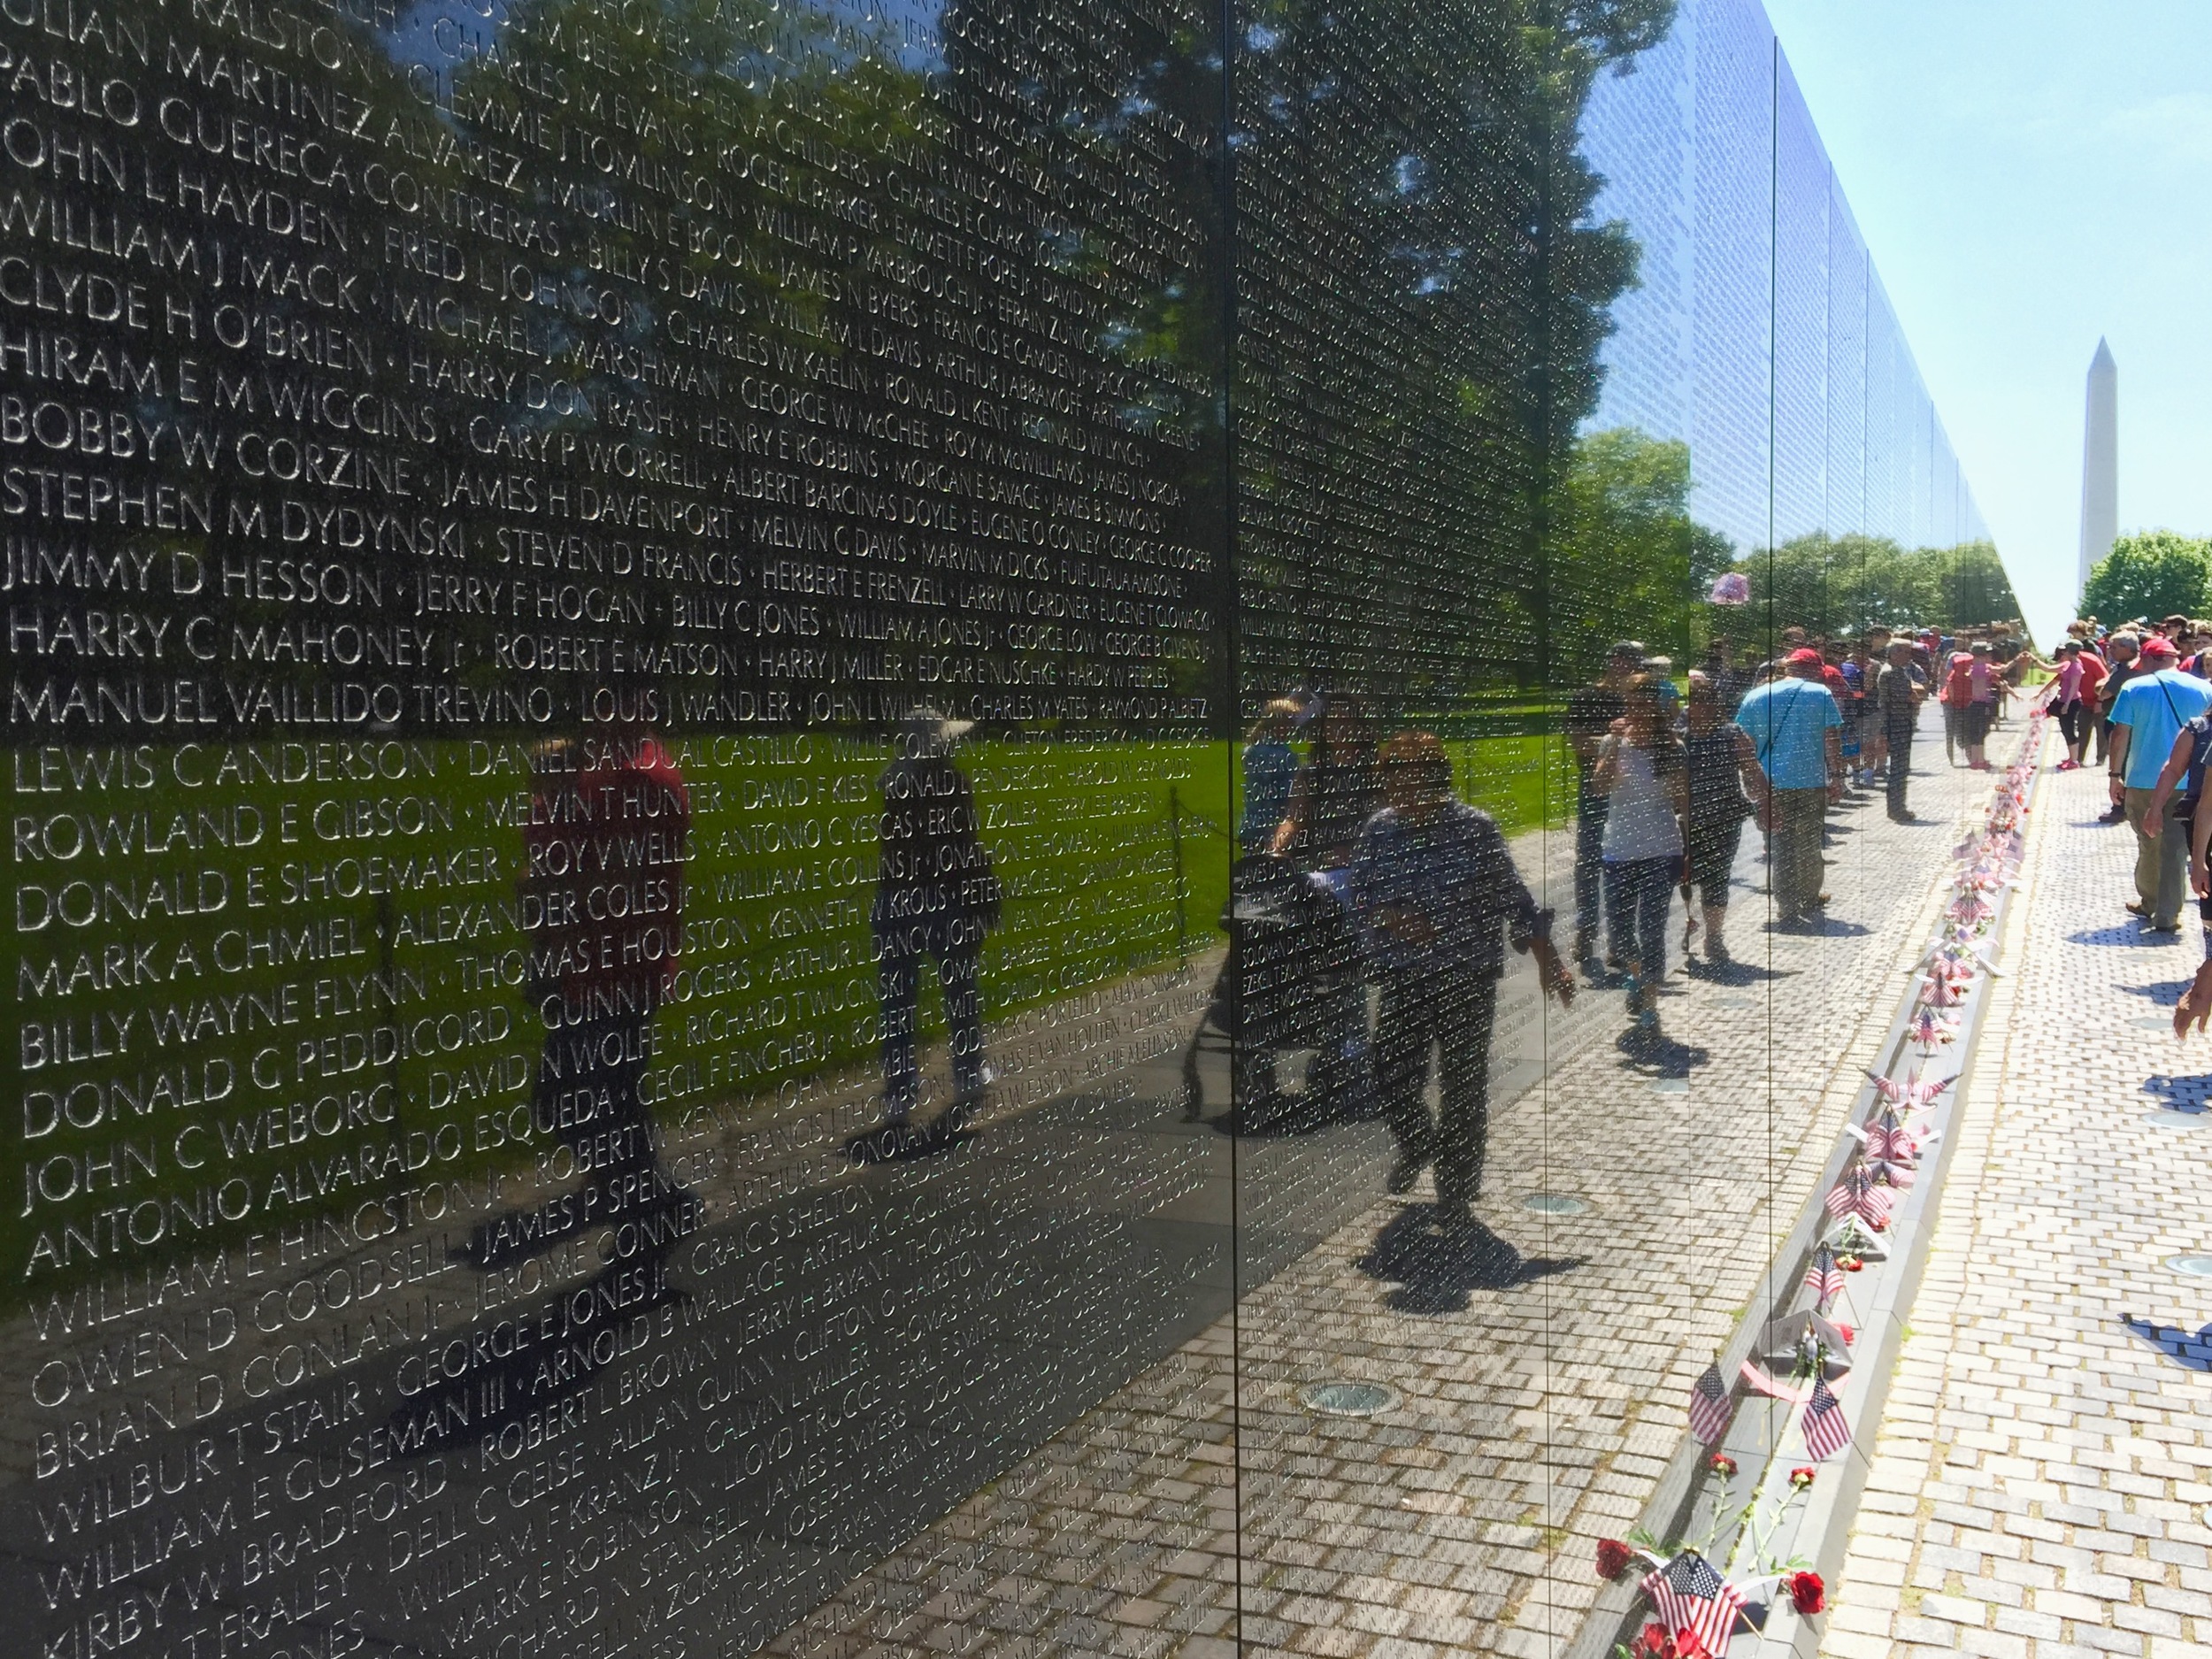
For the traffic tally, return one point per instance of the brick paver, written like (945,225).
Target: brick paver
(1542,1367)
(2041,1480)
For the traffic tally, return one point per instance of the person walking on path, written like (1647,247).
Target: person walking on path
(937,896)
(1796,730)
(1334,792)
(2122,655)
(1897,698)
(2147,717)
(1640,771)
(1984,704)
(1722,766)
(1591,713)
(1270,767)
(2068,699)
(1438,897)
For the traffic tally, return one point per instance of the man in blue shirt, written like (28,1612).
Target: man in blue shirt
(1438,899)
(1797,730)
(2146,716)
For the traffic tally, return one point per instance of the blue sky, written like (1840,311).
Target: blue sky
(2030,175)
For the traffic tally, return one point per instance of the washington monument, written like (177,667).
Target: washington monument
(2101,461)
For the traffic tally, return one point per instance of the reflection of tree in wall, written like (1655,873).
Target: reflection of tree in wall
(1838,585)
(1421,297)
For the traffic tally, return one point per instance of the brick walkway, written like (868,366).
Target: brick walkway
(1541,1366)
(2042,1480)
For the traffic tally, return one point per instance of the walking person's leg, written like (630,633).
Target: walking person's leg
(1590,812)
(1468,1009)
(2149,854)
(1801,815)
(1620,908)
(1404,1028)
(1653,884)
(898,989)
(1899,771)
(2173,870)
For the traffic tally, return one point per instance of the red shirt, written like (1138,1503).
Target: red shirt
(603,898)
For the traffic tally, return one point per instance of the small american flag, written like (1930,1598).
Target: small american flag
(1688,1594)
(1887,1138)
(1826,1433)
(1856,1194)
(1824,1278)
(1709,1410)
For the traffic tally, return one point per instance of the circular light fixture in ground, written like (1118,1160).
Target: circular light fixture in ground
(2178,1118)
(1555,1203)
(1348,1398)
(2194,1266)
(2152,1022)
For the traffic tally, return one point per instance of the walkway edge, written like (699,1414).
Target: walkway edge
(1817,1528)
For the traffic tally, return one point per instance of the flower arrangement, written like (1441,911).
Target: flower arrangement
(1654,1642)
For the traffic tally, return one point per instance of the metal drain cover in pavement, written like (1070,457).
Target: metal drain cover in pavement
(1555,1204)
(2178,1118)
(1348,1398)
(2153,1022)
(2195,1266)
(1671,1086)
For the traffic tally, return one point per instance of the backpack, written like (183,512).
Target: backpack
(1958,685)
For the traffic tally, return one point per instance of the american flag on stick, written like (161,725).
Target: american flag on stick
(1826,1433)
(1856,1194)
(1824,1278)
(1710,1408)
(1689,1595)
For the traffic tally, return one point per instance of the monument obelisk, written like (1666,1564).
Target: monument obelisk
(2099,461)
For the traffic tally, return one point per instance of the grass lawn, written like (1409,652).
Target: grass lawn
(286,996)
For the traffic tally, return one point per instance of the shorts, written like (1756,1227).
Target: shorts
(1712,857)
(1974,722)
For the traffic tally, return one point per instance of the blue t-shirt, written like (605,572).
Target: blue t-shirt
(2155,708)
(1788,722)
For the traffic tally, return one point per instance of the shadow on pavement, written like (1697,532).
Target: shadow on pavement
(2121,934)
(2193,1351)
(2165,993)
(1436,1269)
(2182,1094)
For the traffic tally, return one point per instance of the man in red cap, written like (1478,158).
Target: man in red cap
(2146,717)
(1797,731)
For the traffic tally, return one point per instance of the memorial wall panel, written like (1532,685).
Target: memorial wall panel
(691,684)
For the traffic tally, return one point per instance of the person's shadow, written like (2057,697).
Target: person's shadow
(2122,934)
(1818,927)
(2180,1094)
(2192,1350)
(1735,970)
(1660,1056)
(2165,993)
(1437,1269)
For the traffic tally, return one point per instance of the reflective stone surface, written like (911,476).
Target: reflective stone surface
(702,959)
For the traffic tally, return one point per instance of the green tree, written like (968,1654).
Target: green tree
(2154,573)
(1623,521)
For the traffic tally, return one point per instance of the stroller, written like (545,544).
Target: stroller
(1293,981)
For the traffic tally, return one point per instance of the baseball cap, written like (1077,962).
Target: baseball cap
(1803,654)
(2158,645)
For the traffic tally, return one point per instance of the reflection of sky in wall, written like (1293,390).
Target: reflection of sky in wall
(438,33)
(1757,307)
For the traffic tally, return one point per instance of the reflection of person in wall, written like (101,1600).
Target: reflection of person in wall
(1640,771)
(936,897)
(1334,792)
(1591,712)
(1271,768)
(1722,766)
(1797,730)
(1438,895)
(603,898)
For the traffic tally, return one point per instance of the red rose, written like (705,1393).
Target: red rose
(1801,1477)
(1723,1465)
(1612,1557)
(1808,1594)
(1849,1335)
(1652,1644)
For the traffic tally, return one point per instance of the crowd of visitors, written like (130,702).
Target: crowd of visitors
(1667,774)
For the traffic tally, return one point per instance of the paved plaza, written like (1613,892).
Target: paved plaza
(2041,1481)
(1539,1367)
